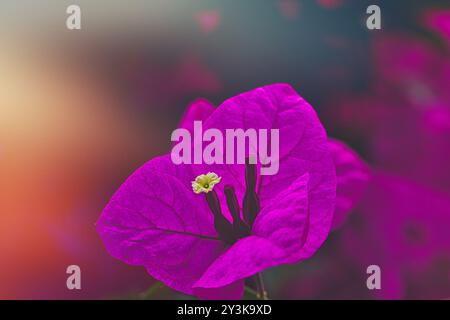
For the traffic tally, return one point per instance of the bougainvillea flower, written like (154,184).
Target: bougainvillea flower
(207,244)
(414,69)
(409,73)
(402,227)
(208,20)
(438,20)
(410,88)
(419,149)
(418,74)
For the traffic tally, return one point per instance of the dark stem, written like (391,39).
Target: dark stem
(260,289)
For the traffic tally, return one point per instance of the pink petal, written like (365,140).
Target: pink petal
(232,291)
(245,258)
(155,220)
(303,142)
(303,149)
(199,110)
(285,221)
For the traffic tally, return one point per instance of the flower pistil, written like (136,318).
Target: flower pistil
(205,182)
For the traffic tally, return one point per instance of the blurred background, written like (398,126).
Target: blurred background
(80,110)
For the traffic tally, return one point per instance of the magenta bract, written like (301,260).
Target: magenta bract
(157,221)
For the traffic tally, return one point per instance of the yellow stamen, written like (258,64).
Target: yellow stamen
(205,182)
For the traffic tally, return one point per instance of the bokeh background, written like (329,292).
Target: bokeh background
(81,110)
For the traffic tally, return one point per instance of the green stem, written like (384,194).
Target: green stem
(260,289)
(150,292)
(250,291)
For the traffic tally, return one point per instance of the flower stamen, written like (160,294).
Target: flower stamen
(240,228)
(221,224)
(251,204)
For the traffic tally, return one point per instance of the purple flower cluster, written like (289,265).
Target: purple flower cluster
(403,218)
